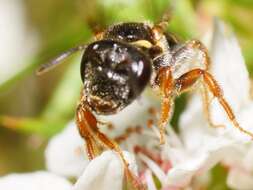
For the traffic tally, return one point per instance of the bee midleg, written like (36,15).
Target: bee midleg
(188,79)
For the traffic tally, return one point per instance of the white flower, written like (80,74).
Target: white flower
(34,181)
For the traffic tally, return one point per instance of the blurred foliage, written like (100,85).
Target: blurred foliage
(62,24)
(20,153)
(219,178)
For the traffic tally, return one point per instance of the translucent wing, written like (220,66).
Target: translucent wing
(186,59)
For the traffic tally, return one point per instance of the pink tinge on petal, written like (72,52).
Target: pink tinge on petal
(141,176)
(154,168)
(166,166)
(149,180)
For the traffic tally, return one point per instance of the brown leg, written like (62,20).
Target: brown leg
(166,112)
(189,78)
(88,128)
(196,44)
(91,146)
(206,107)
(166,83)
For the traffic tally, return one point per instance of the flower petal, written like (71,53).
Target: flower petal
(105,172)
(240,175)
(181,174)
(199,138)
(228,64)
(191,161)
(150,181)
(65,153)
(240,179)
(154,168)
(34,181)
(229,68)
(247,159)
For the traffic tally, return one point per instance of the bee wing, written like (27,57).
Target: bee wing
(186,60)
(57,60)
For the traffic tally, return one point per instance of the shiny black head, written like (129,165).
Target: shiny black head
(114,74)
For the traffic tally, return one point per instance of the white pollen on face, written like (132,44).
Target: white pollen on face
(95,46)
(109,74)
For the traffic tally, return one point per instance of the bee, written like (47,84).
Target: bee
(126,58)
